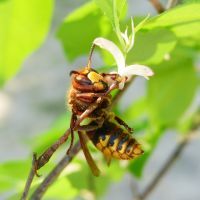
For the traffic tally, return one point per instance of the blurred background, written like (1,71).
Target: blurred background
(41,42)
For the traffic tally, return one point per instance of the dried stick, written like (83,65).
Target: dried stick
(157,5)
(44,158)
(53,175)
(177,152)
(194,132)
(41,161)
(29,180)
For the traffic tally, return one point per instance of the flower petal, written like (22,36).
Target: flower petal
(139,70)
(113,49)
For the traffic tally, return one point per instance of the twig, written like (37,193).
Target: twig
(44,158)
(157,5)
(194,132)
(53,175)
(177,152)
(41,161)
(29,180)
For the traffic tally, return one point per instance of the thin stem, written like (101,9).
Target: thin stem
(44,158)
(117,26)
(157,5)
(90,56)
(29,180)
(176,153)
(53,175)
(41,161)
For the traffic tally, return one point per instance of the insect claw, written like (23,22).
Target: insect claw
(35,165)
(68,151)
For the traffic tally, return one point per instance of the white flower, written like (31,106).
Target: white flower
(123,70)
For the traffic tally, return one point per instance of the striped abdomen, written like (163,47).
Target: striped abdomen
(115,142)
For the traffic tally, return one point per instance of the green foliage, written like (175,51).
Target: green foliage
(60,190)
(174,86)
(24,25)
(190,1)
(97,185)
(150,141)
(151,47)
(13,175)
(113,9)
(45,139)
(183,20)
(180,15)
(86,22)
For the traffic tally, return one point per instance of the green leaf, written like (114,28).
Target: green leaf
(136,115)
(190,1)
(177,16)
(112,12)
(141,23)
(13,173)
(24,26)
(183,20)
(135,110)
(151,46)
(61,189)
(80,28)
(150,141)
(44,140)
(113,9)
(172,88)
(98,185)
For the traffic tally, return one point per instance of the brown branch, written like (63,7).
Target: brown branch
(41,161)
(53,175)
(44,158)
(194,132)
(29,180)
(157,5)
(176,153)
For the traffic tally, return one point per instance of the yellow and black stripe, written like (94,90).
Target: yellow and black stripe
(114,141)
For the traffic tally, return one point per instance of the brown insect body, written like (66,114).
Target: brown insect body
(85,91)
